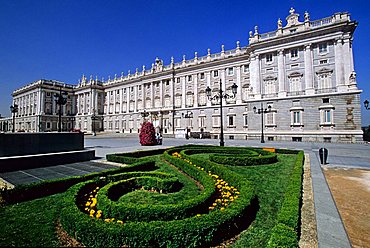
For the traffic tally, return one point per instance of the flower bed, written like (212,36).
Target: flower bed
(190,223)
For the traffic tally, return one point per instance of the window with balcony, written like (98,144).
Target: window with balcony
(230,71)
(269,58)
(245,117)
(323,48)
(294,53)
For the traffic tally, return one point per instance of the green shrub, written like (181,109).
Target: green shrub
(189,230)
(283,236)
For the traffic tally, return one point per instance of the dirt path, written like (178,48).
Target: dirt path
(351,192)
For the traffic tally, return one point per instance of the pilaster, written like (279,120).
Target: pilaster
(238,83)
(308,69)
(281,74)
(195,76)
(347,61)
(208,78)
(183,89)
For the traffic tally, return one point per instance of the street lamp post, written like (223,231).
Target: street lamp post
(61,99)
(93,118)
(219,96)
(188,115)
(261,111)
(366,104)
(14,110)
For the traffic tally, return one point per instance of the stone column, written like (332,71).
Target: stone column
(183,89)
(161,93)
(114,100)
(108,102)
(338,53)
(121,101)
(135,97)
(172,92)
(195,76)
(208,78)
(41,102)
(255,80)
(128,99)
(281,74)
(308,70)
(347,60)
(152,94)
(239,84)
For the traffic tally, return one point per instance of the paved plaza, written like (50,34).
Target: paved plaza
(331,232)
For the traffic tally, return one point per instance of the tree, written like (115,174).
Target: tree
(147,134)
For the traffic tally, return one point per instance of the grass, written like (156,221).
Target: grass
(270,182)
(32,223)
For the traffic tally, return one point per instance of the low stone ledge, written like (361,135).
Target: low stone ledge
(308,237)
(24,162)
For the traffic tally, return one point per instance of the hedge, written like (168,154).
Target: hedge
(132,157)
(195,230)
(36,190)
(286,231)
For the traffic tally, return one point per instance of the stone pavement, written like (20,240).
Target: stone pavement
(331,232)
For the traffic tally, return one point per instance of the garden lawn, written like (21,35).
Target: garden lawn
(270,182)
(32,223)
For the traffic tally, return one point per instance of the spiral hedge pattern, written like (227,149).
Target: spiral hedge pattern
(163,198)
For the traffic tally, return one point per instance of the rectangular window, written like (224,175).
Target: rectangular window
(295,84)
(245,120)
(230,71)
(215,73)
(231,121)
(215,121)
(327,116)
(269,57)
(202,75)
(202,121)
(189,78)
(246,68)
(270,119)
(323,62)
(177,122)
(324,81)
(294,53)
(325,100)
(323,47)
(296,117)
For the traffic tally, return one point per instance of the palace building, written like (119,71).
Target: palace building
(301,75)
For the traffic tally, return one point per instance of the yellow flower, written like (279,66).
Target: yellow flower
(120,222)
(107,220)
(214,204)
(87,204)
(219,186)
(222,209)
(211,208)
(198,215)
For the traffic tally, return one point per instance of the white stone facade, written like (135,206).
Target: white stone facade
(303,70)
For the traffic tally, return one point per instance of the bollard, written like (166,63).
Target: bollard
(323,154)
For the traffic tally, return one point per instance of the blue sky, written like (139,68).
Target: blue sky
(63,39)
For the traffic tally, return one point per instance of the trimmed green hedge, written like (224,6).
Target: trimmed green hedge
(286,231)
(132,157)
(283,236)
(190,231)
(32,191)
